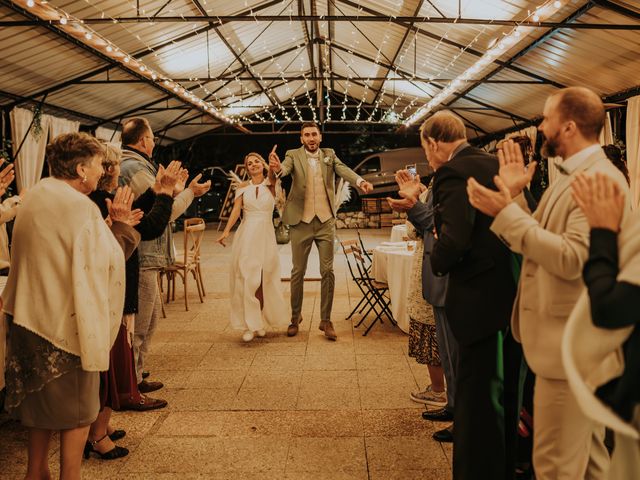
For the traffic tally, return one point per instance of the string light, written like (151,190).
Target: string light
(514,36)
(75,28)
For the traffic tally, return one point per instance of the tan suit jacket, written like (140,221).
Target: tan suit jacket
(295,164)
(554,242)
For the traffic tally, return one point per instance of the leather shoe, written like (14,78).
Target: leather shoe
(440,415)
(327,327)
(145,374)
(146,403)
(147,387)
(292,330)
(445,435)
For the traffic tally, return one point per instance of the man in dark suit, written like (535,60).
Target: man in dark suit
(478,304)
(434,291)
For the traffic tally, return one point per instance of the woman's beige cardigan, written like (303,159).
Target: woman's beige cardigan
(67,274)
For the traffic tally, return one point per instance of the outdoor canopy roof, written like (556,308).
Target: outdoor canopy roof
(191,66)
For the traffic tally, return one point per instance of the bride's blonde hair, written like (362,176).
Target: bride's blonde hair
(259,157)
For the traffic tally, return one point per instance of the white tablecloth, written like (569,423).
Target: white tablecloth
(392,264)
(398,232)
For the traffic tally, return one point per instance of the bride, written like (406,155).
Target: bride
(256,292)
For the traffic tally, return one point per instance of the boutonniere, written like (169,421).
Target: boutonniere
(327,160)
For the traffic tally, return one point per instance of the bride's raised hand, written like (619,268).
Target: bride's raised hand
(222,238)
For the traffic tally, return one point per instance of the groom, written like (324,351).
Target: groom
(310,212)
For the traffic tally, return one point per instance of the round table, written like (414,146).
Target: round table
(398,233)
(392,265)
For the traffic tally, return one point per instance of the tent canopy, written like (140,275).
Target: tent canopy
(191,66)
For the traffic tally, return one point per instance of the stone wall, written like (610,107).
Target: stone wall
(369,220)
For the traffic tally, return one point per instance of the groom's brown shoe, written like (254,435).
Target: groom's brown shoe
(327,327)
(292,330)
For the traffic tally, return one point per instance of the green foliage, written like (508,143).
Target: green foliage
(5,150)
(36,129)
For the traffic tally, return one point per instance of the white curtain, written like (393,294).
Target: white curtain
(58,126)
(531,132)
(30,160)
(633,148)
(109,134)
(606,135)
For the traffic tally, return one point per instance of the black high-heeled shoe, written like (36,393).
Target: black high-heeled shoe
(117,435)
(115,452)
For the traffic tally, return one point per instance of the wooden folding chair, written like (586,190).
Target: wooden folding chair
(189,263)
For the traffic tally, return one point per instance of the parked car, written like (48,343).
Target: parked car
(379,168)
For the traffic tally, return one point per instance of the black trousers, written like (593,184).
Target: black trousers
(487,409)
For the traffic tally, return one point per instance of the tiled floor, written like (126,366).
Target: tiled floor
(276,408)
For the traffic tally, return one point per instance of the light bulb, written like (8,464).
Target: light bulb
(88,35)
(536,18)
(126,59)
(63,20)
(154,76)
(31,3)
(557,4)
(142,68)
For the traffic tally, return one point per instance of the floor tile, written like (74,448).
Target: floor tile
(278,407)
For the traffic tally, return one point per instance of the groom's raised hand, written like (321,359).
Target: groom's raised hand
(274,161)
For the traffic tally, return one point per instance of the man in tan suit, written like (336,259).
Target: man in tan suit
(310,211)
(554,242)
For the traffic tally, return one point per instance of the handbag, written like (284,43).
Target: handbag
(282,233)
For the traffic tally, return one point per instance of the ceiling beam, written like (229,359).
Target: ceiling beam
(546,36)
(454,44)
(614,7)
(294,77)
(329,18)
(239,71)
(408,77)
(392,62)
(96,53)
(137,55)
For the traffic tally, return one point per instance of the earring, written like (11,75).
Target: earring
(84,179)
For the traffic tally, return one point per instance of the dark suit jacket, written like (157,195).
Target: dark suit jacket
(434,288)
(481,285)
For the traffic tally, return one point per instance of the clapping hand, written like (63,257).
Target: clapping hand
(274,161)
(486,200)
(183,176)
(6,177)
(167,178)
(410,189)
(512,171)
(199,189)
(601,199)
(120,208)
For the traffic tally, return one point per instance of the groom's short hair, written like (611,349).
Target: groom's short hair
(309,125)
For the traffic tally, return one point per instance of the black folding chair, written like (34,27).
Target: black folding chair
(377,292)
(367,253)
(347,246)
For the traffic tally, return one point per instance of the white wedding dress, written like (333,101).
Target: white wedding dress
(254,259)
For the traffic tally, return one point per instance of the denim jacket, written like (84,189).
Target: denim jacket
(140,173)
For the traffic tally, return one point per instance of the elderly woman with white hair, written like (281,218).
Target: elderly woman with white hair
(63,301)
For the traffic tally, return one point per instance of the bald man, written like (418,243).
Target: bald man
(554,242)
